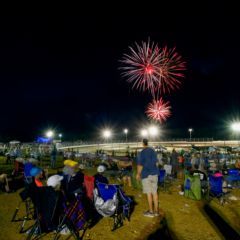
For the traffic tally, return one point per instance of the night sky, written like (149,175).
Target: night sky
(63,73)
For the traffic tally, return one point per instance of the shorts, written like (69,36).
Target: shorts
(150,184)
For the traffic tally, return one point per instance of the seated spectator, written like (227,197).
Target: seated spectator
(127,170)
(99,175)
(28,165)
(73,179)
(237,164)
(218,174)
(55,182)
(37,173)
(196,171)
(202,176)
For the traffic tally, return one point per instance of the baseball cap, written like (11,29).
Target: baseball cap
(70,163)
(101,168)
(54,180)
(35,171)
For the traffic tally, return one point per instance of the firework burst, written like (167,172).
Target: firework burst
(171,67)
(141,66)
(158,110)
(150,68)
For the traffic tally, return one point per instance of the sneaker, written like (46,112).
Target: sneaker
(156,214)
(148,214)
(65,231)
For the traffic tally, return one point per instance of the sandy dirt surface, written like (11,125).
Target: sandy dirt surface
(181,218)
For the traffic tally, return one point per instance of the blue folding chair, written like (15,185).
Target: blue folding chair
(111,201)
(216,188)
(161,178)
(233,177)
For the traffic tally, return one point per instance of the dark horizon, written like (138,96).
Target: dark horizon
(63,73)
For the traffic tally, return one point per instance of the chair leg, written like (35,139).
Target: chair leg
(15,214)
(33,230)
(23,224)
(117,221)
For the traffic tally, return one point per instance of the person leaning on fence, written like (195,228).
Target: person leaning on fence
(147,170)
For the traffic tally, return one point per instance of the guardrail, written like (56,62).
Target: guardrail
(136,145)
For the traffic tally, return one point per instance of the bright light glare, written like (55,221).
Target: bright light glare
(60,135)
(144,132)
(126,130)
(107,133)
(153,131)
(49,133)
(236,127)
(190,129)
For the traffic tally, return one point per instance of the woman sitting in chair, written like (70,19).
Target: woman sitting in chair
(98,177)
(73,179)
(37,174)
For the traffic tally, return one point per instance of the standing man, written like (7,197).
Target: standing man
(147,170)
(53,156)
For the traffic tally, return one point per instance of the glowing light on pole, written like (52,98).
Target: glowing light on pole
(107,134)
(190,133)
(126,132)
(153,131)
(60,136)
(144,133)
(236,129)
(50,134)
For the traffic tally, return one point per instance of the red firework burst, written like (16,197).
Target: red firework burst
(170,70)
(158,110)
(142,66)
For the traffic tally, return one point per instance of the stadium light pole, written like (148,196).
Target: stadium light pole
(49,134)
(190,133)
(60,137)
(144,133)
(107,134)
(126,132)
(153,131)
(236,129)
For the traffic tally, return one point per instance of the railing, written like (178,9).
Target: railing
(78,143)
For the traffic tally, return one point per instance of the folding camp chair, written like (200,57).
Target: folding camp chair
(48,210)
(89,186)
(110,201)
(26,199)
(92,215)
(161,178)
(168,175)
(204,184)
(233,178)
(74,219)
(216,189)
(192,187)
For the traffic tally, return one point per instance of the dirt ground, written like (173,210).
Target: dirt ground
(181,218)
